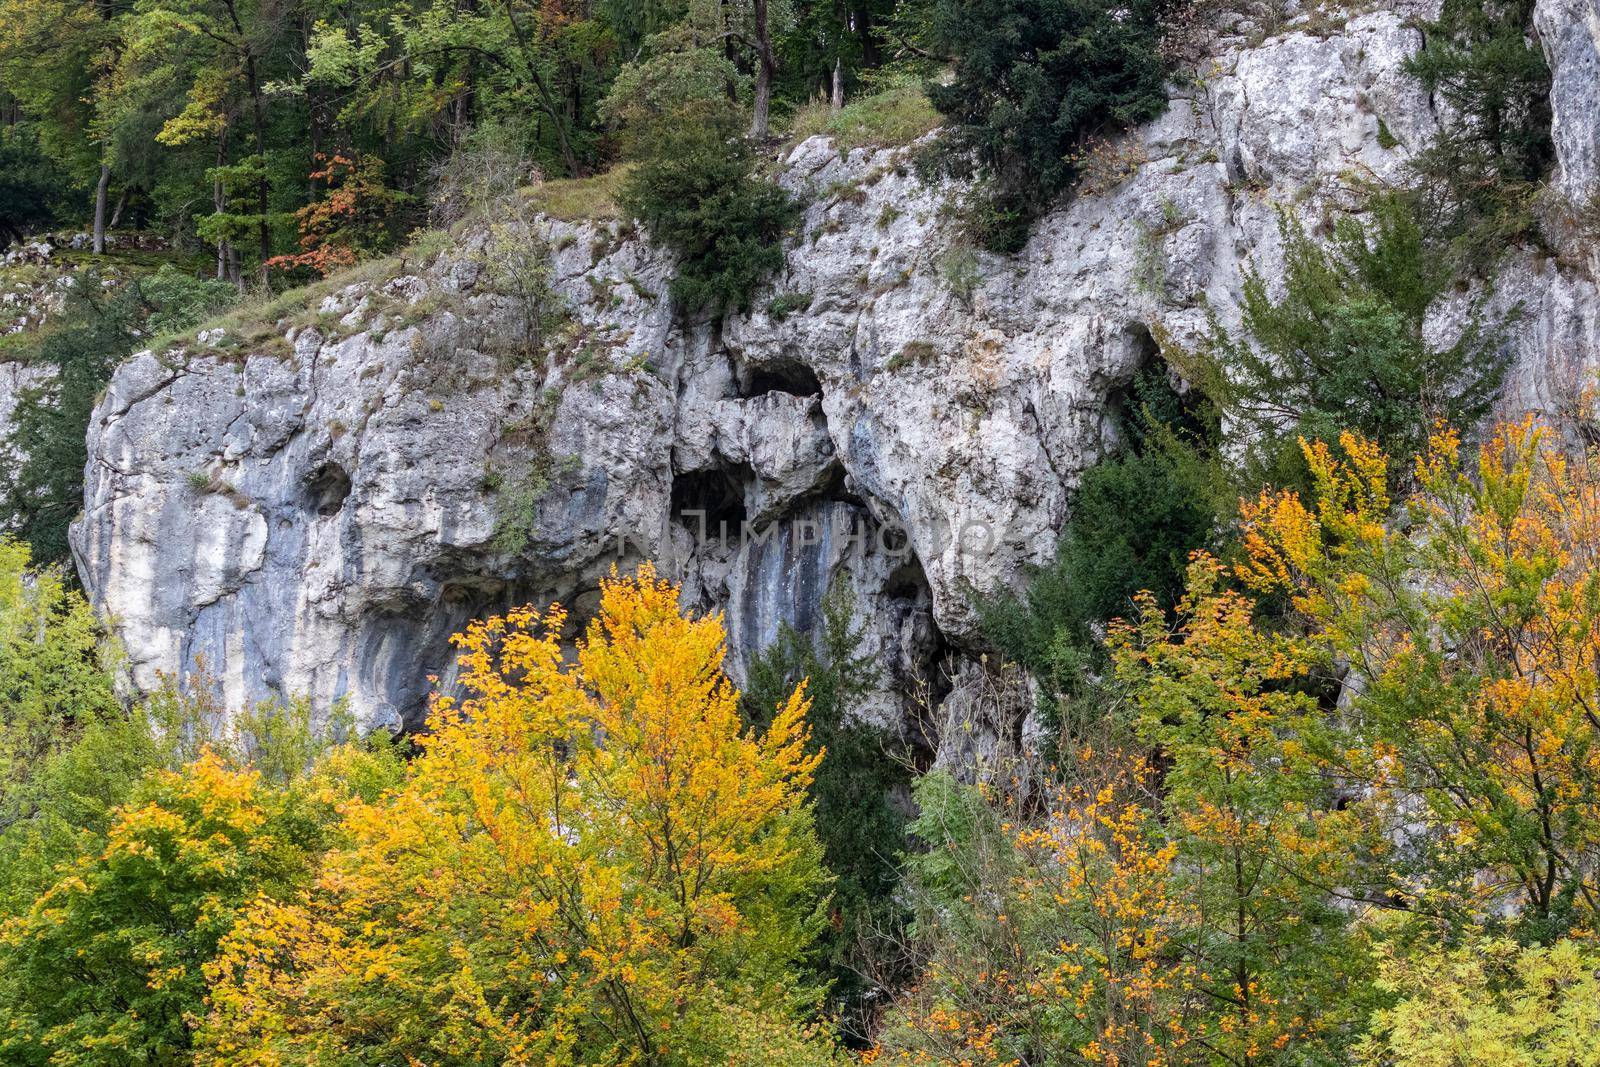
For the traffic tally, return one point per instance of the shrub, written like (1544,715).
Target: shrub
(516,261)
(783,305)
(483,182)
(696,189)
(1033,81)
(180,301)
(486,170)
(1480,172)
(1136,517)
(694,184)
(1488,1001)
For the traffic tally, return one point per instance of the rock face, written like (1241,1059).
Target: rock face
(897,418)
(15,379)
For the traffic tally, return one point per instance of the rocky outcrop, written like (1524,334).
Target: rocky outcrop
(897,416)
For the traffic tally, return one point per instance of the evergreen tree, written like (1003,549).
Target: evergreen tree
(1035,84)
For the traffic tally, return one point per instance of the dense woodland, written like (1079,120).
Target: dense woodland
(1321,781)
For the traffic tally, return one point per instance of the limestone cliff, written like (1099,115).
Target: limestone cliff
(316,508)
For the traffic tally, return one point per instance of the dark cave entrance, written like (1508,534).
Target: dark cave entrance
(712,501)
(781,376)
(327,489)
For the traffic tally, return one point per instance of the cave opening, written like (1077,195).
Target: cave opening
(718,494)
(1154,396)
(327,489)
(782,376)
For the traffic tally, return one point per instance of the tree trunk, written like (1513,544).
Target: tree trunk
(861,22)
(116,212)
(766,67)
(100,209)
(258,114)
(219,203)
(837,102)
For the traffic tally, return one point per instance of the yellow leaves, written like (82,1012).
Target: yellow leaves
(205,114)
(594,841)
(1471,632)
(1489,1002)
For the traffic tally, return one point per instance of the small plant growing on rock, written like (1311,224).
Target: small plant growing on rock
(783,305)
(959,269)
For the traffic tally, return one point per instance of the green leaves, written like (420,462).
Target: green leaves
(45,494)
(696,189)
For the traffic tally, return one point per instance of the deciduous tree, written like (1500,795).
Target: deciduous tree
(589,863)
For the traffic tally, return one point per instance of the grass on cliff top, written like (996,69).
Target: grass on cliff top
(255,319)
(894,116)
(581,199)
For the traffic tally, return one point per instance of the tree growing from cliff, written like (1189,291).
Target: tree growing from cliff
(695,185)
(1480,171)
(1344,347)
(588,863)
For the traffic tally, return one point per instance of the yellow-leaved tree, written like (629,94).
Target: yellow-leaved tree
(1471,634)
(589,862)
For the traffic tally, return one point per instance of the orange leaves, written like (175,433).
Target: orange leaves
(1472,630)
(351,217)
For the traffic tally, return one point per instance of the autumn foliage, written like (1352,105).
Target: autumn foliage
(350,219)
(1366,739)
(1341,807)
(589,862)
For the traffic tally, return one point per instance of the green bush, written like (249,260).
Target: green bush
(696,189)
(48,427)
(695,184)
(1344,348)
(1034,82)
(180,301)
(861,827)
